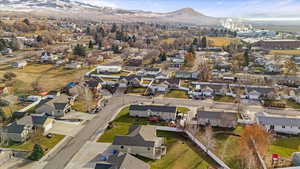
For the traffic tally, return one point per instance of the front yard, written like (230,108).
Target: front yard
(122,73)
(177,94)
(139,90)
(292,104)
(224,99)
(46,143)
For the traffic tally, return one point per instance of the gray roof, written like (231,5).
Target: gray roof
(58,103)
(14,128)
(144,136)
(281,121)
(155,108)
(215,115)
(122,161)
(32,120)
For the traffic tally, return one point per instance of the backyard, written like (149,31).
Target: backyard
(177,94)
(181,153)
(224,99)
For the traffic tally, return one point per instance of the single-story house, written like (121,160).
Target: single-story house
(163,112)
(282,124)
(187,75)
(130,81)
(142,141)
(217,118)
(108,69)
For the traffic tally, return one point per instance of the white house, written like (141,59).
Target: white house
(48,57)
(163,112)
(19,64)
(108,69)
(280,124)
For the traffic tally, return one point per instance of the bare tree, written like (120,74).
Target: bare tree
(208,138)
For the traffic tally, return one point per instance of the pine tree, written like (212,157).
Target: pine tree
(91,46)
(204,42)
(114,28)
(37,153)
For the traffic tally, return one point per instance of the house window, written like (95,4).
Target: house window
(122,147)
(149,148)
(283,127)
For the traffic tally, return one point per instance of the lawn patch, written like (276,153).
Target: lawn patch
(183,110)
(285,146)
(139,90)
(181,153)
(229,99)
(46,143)
(177,94)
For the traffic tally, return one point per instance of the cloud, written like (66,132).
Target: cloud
(104,3)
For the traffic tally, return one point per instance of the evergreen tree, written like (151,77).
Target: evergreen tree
(79,50)
(114,28)
(26,21)
(100,45)
(37,153)
(204,42)
(39,38)
(91,45)
(88,30)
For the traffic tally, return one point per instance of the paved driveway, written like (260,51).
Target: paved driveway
(87,155)
(65,128)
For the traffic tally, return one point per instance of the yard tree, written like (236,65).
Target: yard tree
(79,50)
(204,42)
(91,45)
(290,66)
(204,69)
(26,21)
(114,28)
(254,139)
(208,138)
(37,153)
(246,58)
(100,45)
(9,75)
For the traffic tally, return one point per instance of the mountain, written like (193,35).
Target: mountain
(78,10)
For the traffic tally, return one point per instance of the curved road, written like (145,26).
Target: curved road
(99,122)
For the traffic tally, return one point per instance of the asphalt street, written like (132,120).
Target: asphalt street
(99,122)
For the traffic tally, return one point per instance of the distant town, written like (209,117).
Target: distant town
(80,94)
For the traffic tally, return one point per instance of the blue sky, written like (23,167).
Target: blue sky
(220,8)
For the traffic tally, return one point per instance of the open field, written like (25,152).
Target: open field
(222,41)
(181,154)
(285,52)
(46,143)
(215,41)
(177,94)
(285,146)
(48,77)
(121,125)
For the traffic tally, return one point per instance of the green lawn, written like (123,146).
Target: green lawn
(183,110)
(177,94)
(46,143)
(224,99)
(285,146)
(291,103)
(181,154)
(121,125)
(228,148)
(140,90)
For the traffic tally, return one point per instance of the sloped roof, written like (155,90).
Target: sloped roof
(122,161)
(14,128)
(144,136)
(216,115)
(281,121)
(155,108)
(32,120)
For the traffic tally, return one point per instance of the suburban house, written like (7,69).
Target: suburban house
(56,107)
(74,65)
(108,69)
(187,75)
(163,112)
(47,57)
(278,44)
(141,140)
(149,72)
(258,92)
(15,132)
(19,64)
(282,124)
(19,131)
(94,85)
(216,118)
(121,160)
(130,81)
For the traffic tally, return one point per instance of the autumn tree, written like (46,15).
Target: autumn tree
(254,140)
(204,69)
(204,42)
(290,66)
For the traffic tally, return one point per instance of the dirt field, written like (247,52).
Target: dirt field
(48,77)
